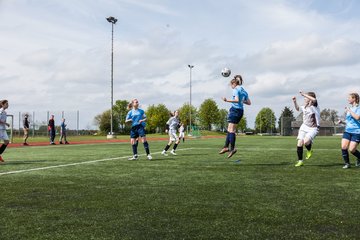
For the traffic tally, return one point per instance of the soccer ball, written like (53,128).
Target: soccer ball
(225,72)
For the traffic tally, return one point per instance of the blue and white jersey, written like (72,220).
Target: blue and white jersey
(2,119)
(353,125)
(136,115)
(242,95)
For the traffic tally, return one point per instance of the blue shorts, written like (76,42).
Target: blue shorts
(137,131)
(235,115)
(352,137)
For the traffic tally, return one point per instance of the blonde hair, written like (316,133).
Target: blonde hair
(356,97)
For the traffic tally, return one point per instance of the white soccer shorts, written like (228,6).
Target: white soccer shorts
(307,132)
(173,136)
(3,135)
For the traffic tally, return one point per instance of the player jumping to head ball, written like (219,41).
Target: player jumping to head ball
(137,118)
(236,112)
(310,126)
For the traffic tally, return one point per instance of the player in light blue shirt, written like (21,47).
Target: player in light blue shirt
(137,118)
(351,136)
(236,112)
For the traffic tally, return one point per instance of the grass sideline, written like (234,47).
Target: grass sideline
(195,195)
(19,139)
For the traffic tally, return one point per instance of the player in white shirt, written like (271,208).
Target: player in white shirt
(310,126)
(4,104)
(173,124)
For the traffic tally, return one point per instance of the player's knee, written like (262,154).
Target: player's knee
(352,149)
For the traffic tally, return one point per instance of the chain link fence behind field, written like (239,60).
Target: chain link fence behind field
(39,122)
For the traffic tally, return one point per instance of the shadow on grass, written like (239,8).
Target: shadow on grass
(23,162)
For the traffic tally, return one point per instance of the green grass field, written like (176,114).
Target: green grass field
(93,192)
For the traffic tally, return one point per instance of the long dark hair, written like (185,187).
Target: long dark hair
(2,102)
(237,80)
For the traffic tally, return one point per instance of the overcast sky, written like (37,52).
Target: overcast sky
(55,54)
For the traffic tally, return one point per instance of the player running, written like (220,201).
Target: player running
(236,112)
(172,125)
(137,118)
(310,126)
(351,137)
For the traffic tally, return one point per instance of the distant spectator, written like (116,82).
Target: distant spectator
(63,132)
(26,126)
(51,128)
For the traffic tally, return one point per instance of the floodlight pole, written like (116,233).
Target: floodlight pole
(190,67)
(112,20)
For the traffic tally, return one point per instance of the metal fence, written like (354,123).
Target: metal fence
(39,121)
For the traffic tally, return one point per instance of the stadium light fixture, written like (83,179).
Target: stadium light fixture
(190,67)
(113,21)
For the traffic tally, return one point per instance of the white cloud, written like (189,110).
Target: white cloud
(56,55)
(307,53)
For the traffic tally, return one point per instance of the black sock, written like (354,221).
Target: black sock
(308,147)
(2,148)
(356,154)
(345,155)
(167,147)
(134,147)
(175,146)
(227,140)
(232,138)
(300,152)
(146,146)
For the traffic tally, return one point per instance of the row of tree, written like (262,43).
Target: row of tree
(207,117)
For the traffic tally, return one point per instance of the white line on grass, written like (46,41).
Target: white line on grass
(80,163)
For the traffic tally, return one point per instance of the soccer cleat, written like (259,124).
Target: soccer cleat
(173,152)
(164,153)
(135,157)
(60,142)
(1,159)
(149,157)
(232,153)
(357,163)
(299,164)
(25,144)
(224,150)
(346,166)
(66,142)
(308,154)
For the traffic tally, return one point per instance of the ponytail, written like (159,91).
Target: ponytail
(237,80)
